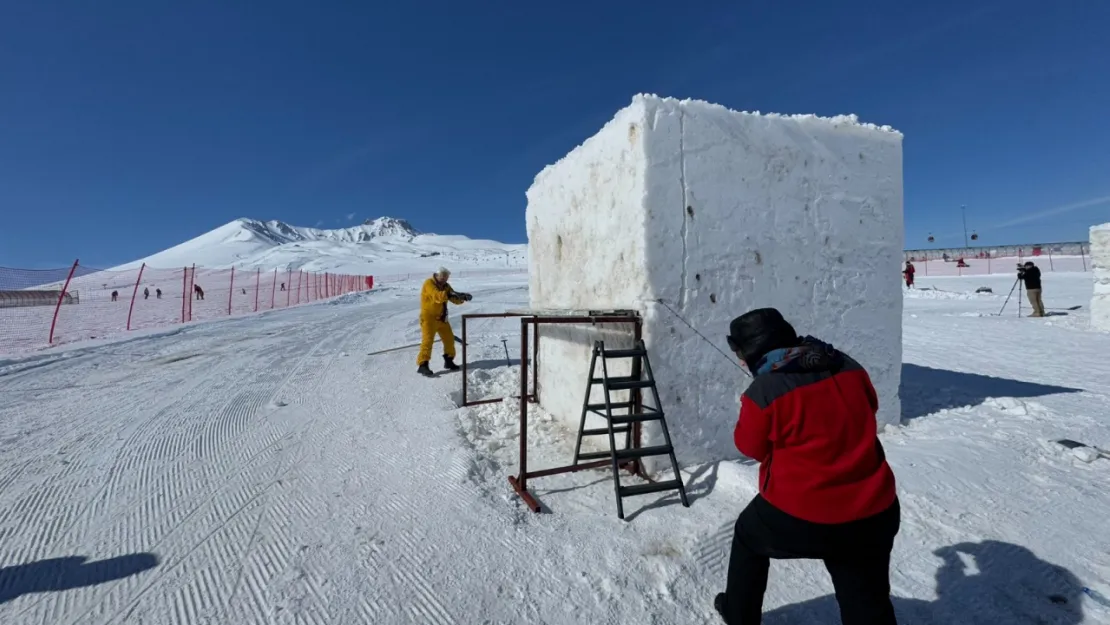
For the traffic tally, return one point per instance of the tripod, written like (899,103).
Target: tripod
(1016,283)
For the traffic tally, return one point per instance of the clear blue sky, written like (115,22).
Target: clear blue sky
(129,126)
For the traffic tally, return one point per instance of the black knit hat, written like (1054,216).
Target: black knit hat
(759,331)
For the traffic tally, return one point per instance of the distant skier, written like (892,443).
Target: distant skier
(199,292)
(1031,275)
(146,293)
(826,491)
(908,272)
(433,320)
(282,286)
(115,295)
(158,293)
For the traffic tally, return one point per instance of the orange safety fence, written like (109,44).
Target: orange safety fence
(40,308)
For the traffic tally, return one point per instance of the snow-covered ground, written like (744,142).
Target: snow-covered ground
(268,469)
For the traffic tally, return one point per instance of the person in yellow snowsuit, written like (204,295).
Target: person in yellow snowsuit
(433,320)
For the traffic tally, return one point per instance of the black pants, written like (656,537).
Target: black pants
(856,554)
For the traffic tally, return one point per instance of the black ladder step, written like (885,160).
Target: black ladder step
(615,406)
(657,450)
(638,417)
(599,431)
(624,353)
(594,455)
(644,489)
(623,383)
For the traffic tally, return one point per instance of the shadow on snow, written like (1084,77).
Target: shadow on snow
(68,573)
(989,582)
(926,390)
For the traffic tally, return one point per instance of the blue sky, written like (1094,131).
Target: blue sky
(129,126)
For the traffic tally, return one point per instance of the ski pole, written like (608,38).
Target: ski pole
(505,344)
(1008,298)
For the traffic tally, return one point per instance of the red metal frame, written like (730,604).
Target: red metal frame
(61,297)
(465,399)
(134,292)
(519,482)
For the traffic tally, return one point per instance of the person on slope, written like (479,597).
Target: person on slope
(826,491)
(908,272)
(1030,274)
(433,320)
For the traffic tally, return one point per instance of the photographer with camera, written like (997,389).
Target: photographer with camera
(1031,276)
(826,491)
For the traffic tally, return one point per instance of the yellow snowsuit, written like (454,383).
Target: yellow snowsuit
(433,319)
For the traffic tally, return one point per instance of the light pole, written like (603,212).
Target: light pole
(963,211)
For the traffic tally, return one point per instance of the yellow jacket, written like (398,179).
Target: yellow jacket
(433,300)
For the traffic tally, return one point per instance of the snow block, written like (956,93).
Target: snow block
(689,207)
(1100,265)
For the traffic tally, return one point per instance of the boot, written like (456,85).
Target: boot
(719,605)
(449,363)
(425,370)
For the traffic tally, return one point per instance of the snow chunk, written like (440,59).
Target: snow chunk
(692,213)
(1086,454)
(1100,267)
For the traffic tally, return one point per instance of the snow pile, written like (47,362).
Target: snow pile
(380,246)
(490,427)
(691,213)
(1100,263)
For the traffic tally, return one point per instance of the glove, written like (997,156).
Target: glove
(466,297)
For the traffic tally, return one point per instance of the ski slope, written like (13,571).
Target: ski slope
(381,246)
(268,469)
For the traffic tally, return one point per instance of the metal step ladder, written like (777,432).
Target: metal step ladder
(628,422)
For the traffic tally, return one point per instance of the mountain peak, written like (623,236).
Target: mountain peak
(390,227)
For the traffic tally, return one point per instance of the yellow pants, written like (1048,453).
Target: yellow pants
(429,328)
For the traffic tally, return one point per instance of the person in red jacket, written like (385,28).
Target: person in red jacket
(908,272)
(826,491)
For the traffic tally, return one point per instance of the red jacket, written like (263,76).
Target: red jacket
(810,422)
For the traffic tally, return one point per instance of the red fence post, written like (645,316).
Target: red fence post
(133,294)
(184,291)
(273,291)
(327,281)
(257,277)
(230,290)
(192,286)
(61,296)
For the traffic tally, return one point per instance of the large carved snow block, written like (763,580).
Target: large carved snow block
(691,213)
(1100,264)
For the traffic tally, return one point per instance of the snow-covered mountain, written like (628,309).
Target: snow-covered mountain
(378,246)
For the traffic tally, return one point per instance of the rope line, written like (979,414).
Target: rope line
(703,337)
